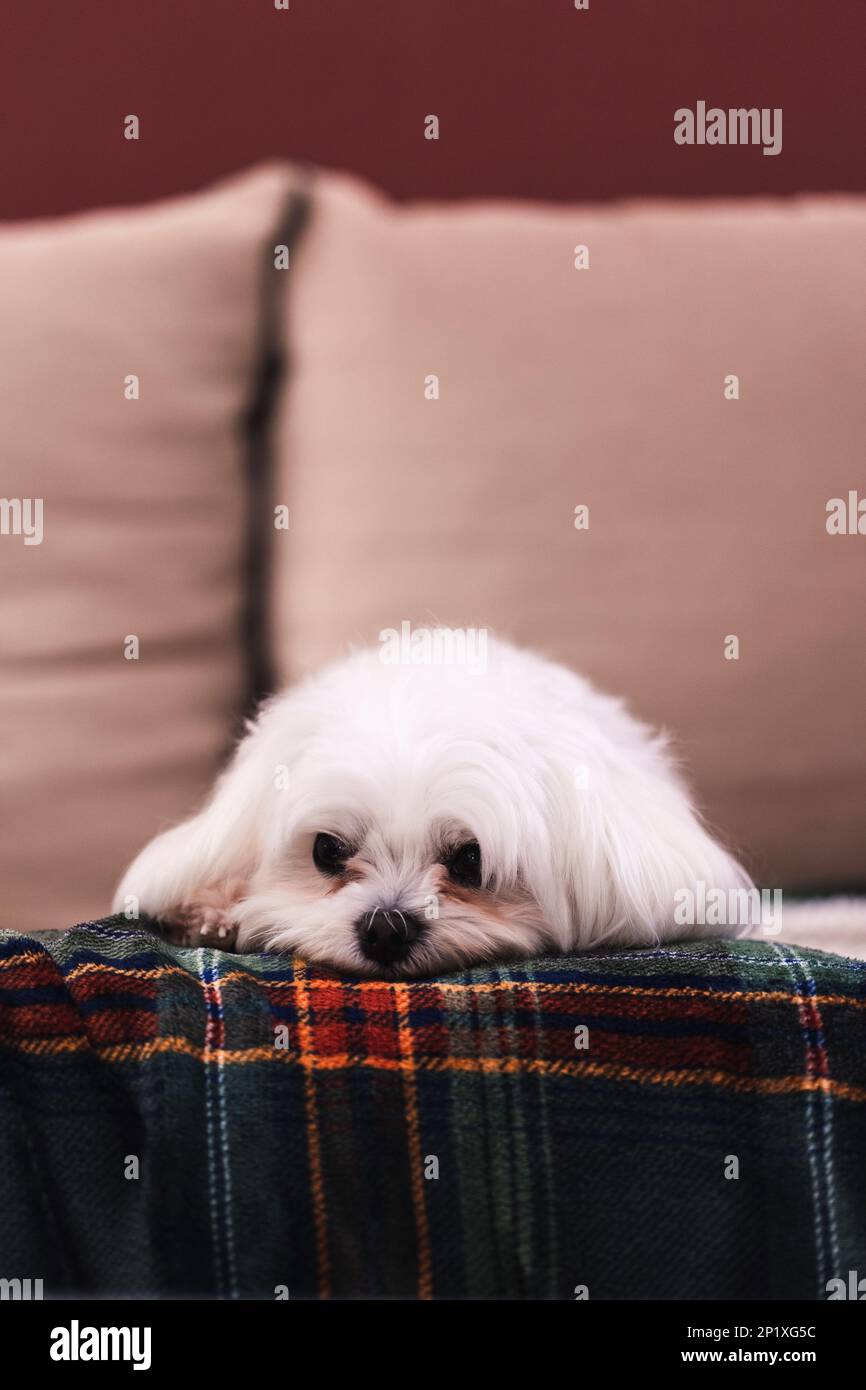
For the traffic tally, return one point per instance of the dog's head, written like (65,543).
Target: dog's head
(398,820)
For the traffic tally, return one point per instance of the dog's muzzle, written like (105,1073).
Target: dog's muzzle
(387,937)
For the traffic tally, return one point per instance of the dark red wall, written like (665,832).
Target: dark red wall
(535,98)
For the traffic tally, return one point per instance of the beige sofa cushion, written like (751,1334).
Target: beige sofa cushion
(603,387)
(144,511)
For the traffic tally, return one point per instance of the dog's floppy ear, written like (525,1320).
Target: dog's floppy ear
(185,865)
(642,847)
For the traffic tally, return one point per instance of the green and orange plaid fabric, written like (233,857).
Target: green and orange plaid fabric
(685,1122)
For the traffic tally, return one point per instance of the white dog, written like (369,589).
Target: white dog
(398,820)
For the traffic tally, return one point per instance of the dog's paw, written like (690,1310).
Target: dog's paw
(207,922)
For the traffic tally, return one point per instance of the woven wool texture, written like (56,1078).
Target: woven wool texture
(303,1168)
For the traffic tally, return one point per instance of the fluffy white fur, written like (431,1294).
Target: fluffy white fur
(585,828)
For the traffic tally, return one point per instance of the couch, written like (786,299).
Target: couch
(285,414)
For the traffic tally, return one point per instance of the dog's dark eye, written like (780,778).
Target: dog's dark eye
(464,864)
(330,853)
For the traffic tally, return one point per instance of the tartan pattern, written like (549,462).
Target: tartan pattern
(310,1167)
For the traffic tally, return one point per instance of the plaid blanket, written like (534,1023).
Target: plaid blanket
(687,1122)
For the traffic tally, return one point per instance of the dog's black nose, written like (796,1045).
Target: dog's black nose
(387,937)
